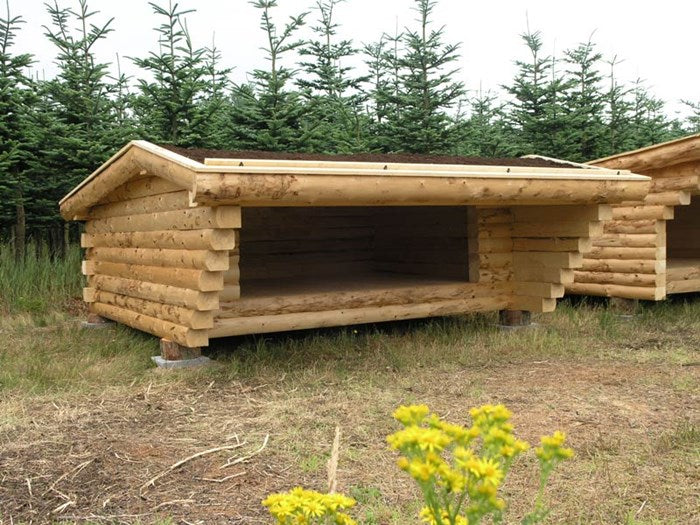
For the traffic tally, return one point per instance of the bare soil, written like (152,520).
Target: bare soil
(85,458)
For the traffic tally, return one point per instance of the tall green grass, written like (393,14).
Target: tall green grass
(40,282)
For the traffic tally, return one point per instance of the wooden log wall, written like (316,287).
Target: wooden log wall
(629,258)
(535,249)
(421,240)
(287,242)
(156,264)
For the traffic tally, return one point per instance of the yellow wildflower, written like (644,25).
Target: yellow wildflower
(411,415)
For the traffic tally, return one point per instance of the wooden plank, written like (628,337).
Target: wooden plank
(160,293)
(205,239)
(190,219)
(180,334)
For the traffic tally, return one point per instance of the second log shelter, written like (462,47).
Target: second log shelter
(651,247)
(190,245)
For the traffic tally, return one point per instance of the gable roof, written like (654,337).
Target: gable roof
(194,171)
(686,149)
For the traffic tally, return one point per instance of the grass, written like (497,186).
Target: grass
(625,391)
(40,282)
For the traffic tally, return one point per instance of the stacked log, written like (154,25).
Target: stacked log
(547,247)
(629,258)
(156,264)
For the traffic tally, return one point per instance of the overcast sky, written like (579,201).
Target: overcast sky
(657,40)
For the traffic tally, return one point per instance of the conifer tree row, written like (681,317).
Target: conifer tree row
(406,96)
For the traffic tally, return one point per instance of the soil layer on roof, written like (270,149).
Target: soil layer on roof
(199,154)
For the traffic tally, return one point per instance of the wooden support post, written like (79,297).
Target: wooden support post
(172,351)
(514,318)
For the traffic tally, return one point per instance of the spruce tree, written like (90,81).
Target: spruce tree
(168,105)
(693,120)
(617,115)
(584,134)
(648,123)
(536,111)
(427,89)
(76,122)
(265,114)
(482,130)
(334,101)
(16,94)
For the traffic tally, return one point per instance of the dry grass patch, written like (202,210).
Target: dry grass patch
(78,443)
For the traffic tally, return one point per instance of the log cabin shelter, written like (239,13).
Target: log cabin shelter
(651,247)
(190,245)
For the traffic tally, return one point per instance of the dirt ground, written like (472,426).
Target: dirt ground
(87,458)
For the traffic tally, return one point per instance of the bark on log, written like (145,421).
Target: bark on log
(188,259)
(201,280)
(635,226)
(298,321)
(626,253)
(642,240)
(206,239)
(168,312)
(179,200)
(344,190)
(642,212)
(613,290)
(180,334)
(160,293)
(190,219)
(624,265)
(626,279)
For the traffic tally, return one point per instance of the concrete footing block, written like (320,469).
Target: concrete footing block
(181,363)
